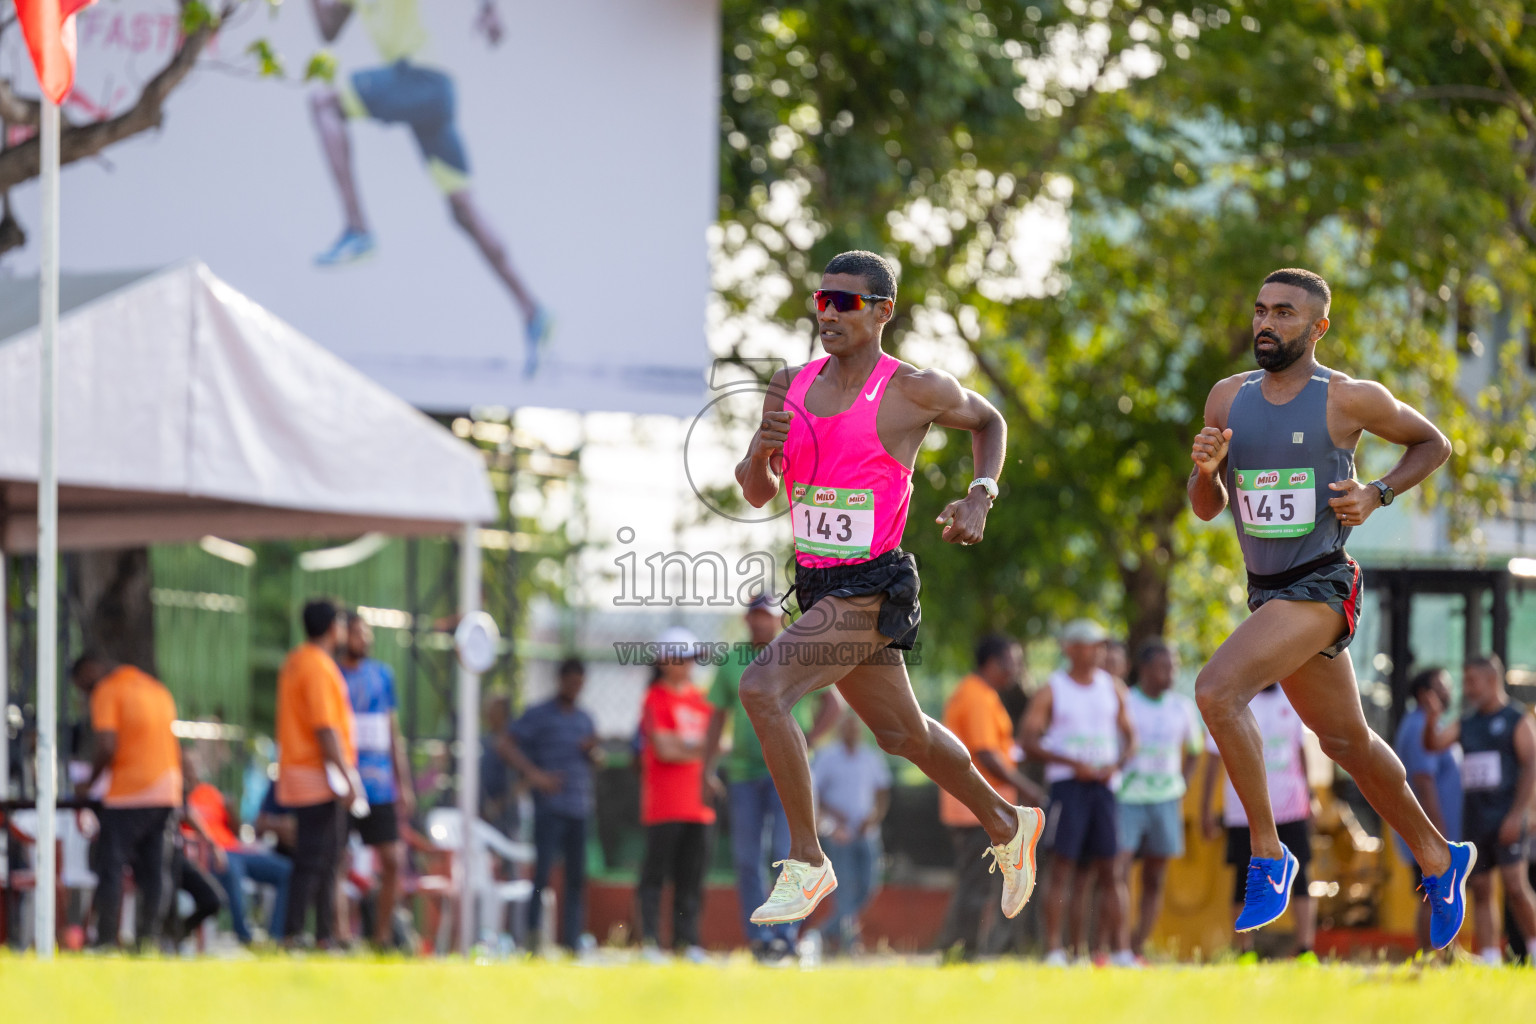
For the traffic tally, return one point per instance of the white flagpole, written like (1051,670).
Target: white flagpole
(469,740)
(48,540)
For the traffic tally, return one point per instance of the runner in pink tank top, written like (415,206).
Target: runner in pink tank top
(839,437)
(848,496)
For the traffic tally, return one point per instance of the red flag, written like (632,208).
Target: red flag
(49,27)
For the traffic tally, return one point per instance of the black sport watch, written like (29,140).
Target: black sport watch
(1387,494)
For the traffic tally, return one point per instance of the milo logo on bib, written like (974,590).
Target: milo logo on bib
(1276,502)
(833,522)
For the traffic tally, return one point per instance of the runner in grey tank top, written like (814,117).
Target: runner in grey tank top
(1278,445)
(1280,462)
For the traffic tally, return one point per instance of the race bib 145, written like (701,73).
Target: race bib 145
(1276,502)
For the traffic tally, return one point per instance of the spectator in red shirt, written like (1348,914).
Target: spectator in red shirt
(673,725)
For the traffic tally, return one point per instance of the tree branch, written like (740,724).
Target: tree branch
(1520,210)
(1453,92)
(1005,388)
(1520,103)
(11,234)
(77,142)
(16,110)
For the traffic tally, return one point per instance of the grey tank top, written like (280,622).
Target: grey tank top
(1279,464)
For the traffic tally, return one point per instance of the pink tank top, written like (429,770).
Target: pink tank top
(848,497)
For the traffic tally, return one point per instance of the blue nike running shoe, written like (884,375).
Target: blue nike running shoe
(351,247)
(1447,895)
(535,338)
(1269,890)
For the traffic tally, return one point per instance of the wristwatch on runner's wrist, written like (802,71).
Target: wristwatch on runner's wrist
(986,483)
(1387,494)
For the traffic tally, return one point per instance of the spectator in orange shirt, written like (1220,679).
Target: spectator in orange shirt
(316,779)
(976,715)
(208,812)
(131,717)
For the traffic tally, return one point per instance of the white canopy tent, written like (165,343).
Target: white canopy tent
(188,410)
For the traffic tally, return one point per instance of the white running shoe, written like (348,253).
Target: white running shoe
(1057,958)
(800,888)
(1017,859)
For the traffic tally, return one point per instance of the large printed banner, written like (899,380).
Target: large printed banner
(490,202)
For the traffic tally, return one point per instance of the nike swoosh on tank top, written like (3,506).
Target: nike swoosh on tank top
(1279,464)
(848,496)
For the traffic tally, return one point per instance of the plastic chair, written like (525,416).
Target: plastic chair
(22,883)
(491,895)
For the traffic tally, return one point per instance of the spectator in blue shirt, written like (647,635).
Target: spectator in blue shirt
(381,764)
(853,793)
(1434,776)
(554,746)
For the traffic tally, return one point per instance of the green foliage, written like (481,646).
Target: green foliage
(196,15)
(268,62)
(1385,144)
(321,67)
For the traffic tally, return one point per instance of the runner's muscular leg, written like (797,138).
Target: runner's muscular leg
(821,647)
(466,214)
(1326,696)
(881,694)
(331,125)
(1270,644)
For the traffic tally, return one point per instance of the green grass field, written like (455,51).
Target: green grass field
(294,991)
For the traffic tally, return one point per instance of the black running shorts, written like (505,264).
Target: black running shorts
(893,574)
(1334,583)
(1493,854)
(381,826)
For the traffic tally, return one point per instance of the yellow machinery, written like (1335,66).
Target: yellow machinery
(1359,881)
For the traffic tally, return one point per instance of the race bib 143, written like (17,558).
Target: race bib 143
(1276,502)
(832,522)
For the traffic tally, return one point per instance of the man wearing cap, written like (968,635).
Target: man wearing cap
(1079,726)
(750,794)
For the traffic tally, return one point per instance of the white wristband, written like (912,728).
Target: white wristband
(985,482)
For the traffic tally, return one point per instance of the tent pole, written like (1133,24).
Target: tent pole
(412,667)
(469,737)
(48,538)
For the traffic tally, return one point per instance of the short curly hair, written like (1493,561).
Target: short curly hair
(878,274)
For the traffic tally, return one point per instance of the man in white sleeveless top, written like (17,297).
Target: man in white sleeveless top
(1285,766)
(1079,727)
